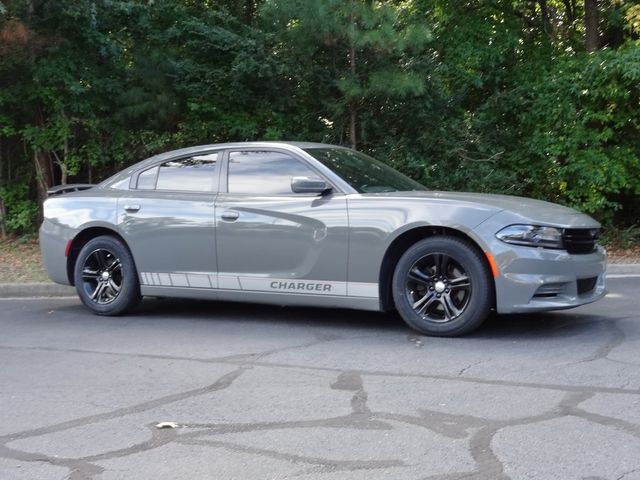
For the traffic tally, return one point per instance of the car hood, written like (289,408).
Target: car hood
(523,209)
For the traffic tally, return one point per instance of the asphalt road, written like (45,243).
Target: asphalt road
(270,393)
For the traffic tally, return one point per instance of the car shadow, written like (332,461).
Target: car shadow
(543,325)
(262,313)
(508,327)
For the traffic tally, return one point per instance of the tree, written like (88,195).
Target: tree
(361,48)
(591,27)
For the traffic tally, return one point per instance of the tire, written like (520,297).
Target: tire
(106,278)
(442,287)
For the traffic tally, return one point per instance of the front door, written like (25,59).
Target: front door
(270,239)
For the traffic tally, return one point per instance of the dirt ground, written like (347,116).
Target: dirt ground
(20,261)
(628,255)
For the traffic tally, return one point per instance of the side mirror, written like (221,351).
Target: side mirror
(308,185)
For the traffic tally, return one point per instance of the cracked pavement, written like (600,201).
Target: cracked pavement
(272,393)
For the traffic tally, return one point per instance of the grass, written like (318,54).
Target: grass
(20,261)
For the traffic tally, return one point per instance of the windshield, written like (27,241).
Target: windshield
(363,173)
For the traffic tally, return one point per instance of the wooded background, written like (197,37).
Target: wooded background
(537,98)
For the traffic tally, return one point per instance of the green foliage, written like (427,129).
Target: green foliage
(21,211)
(625,237)
(572,129)
(346,57)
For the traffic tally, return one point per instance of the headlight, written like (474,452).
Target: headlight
(531,236)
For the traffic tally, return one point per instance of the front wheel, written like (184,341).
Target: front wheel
(106,278)
(442,287)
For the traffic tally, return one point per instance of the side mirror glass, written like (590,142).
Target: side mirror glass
(308,185)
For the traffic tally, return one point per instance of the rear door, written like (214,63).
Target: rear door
(270,239)
(168,220)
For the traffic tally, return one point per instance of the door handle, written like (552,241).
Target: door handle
(131,208)
(230,215)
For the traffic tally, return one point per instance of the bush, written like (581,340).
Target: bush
(571,129)
(21,212)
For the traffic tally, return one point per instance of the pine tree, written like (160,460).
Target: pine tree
(364,46)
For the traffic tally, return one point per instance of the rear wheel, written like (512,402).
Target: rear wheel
(442,287)
(106,278)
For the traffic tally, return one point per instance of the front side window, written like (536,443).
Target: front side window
(193,174)
(264,173)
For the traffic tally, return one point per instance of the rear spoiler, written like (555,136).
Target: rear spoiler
(73,187)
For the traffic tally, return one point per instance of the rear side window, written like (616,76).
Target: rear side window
(147,179)
(193,174)
(264,173)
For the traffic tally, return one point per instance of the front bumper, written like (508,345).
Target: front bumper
(536,279)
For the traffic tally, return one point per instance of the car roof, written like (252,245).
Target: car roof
(214,146)
(264,144)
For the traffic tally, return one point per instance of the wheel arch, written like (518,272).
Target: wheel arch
(408,238)
(81,239)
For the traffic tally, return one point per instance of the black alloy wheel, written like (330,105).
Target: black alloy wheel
(102,276)
(442,286)
(438,288)
(106,278)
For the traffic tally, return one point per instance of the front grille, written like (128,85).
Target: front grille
(586,285)
(580,240)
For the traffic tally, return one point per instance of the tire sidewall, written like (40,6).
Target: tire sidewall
(471,261)
(130,291)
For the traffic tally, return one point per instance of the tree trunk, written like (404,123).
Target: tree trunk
(64,170)
(3,231)
(44,180)
(3,215)
(544,14)
(592,36)
(63,174)
(353,117)
(353,108)
(570,10)
(249,11)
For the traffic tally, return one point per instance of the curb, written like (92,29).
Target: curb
(623,268)
(41,289)
(49,289)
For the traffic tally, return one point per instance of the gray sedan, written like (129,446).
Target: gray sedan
(317,225)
